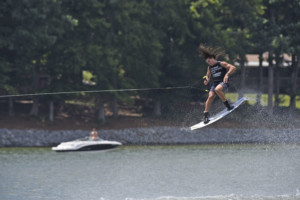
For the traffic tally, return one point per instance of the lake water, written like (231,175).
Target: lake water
(235,172)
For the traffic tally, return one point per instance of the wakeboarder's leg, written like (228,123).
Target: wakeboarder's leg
(208,102)
(220,93)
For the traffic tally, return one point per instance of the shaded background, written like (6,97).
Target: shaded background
(70,45)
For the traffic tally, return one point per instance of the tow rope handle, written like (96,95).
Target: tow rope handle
(206,90)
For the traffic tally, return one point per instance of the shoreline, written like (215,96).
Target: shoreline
(161,135)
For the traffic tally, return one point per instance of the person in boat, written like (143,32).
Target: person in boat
(218,72)
(94,135)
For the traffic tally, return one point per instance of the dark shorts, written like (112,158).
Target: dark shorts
(215,84)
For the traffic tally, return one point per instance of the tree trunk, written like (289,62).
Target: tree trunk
(277,79)
(11,109)
(243,76)
(35,107)
(115,84)
(260,82)
(51,111)
(35,85)
(294,78)
(115,108)
(157,108)
(101,113)
(271,67)
(270,83)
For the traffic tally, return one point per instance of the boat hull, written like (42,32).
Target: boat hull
(88,148)
(86,145)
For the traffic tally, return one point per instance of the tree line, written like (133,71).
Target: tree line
(71,45)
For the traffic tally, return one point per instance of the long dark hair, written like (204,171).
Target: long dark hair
(209,51)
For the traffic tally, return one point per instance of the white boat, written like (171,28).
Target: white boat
(86,144)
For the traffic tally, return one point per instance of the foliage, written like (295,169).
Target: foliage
(48,45)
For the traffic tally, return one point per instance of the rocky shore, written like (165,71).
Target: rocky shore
(152,136)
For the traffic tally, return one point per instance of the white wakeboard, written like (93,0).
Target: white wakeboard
(219,115)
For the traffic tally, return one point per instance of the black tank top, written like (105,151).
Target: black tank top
(217,72)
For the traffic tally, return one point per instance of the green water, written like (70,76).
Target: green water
(152,172)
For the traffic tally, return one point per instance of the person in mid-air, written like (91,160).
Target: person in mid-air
(218,72)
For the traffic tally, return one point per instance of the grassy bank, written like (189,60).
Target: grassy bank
(284,100)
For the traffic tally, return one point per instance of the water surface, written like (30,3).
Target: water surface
(152,172)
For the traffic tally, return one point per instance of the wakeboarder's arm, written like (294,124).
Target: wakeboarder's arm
(230,70)
(207,77)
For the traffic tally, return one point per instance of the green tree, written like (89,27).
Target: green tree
(260,42)
(30,28)
(289,28)
(79,50)
(132,49)
(278,16)
(239,17)
(173,21)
